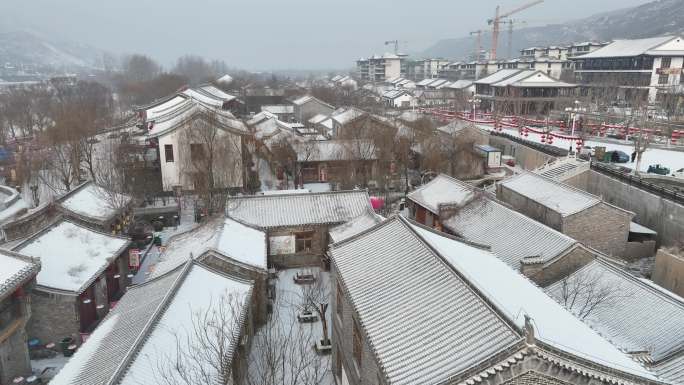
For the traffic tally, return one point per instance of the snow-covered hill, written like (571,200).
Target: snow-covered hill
(651,19)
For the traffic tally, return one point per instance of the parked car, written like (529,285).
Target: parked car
(587,151)
(658,169)
(616,157)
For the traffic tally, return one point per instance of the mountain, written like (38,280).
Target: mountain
(24,49)
(656,18)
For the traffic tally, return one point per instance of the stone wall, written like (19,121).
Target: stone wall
(669,272)
(31,223)
(54,316)
(14,357)
(662,215)
(602,226)
(525,157)
(342,342)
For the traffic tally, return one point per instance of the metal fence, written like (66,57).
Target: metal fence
(665,192)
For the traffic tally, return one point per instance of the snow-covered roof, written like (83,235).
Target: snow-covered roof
(335,150)
(12,204)
(427,284)
(346,115)
(318,118)
(510,235)
(225,79)
(307,99)
(634,315)
(216,92)
(229,237)
(279,109)
(425,82)
(559,197)
(184,115)
(441,190)
(93,202)
(268,211)
(460,84)
(16,270)
(355,226)
(498,76)
(71,256)
(165,106)
(671,370)
(140,335)
(203,98)
(628,48)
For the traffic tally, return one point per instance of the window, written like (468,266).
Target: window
(168,153)
(663,79)
(358,347)
(665,62)
(338,301)
(196,152)
(303,241)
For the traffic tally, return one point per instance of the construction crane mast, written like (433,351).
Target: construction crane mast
(478,44)
(396,45)
(510,23)
(496,23)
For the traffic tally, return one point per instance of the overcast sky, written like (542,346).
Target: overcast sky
(274,34)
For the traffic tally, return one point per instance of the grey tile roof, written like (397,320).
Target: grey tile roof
(636,317)
(554,195)
(511,235)
(16,269)
(434,308)
(414,312)
(267,211)
(441,190)
(672,369)
(354,226)
(144,320)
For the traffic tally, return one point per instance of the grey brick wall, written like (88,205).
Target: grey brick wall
(306,111)
(368,372)
(319,244)
(602,227)
(529,207)
(570,262)
(534,378)
(54,316)
(14,358)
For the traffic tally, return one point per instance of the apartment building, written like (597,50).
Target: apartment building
(633,69)
(381,68)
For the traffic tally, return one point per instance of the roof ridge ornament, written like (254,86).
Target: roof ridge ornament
(530,339)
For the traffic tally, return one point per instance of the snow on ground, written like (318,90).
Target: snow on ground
(294,341)
(94,202)
(669,158)
(71,255)
(47,368)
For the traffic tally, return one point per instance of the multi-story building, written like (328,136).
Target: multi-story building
(425,68)
(381,68)
(579,49)
(636,69)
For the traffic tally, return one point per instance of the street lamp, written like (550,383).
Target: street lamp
(475,102)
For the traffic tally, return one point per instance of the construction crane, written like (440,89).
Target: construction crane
(478,44)
(396,45)
(510,23)
(496,23)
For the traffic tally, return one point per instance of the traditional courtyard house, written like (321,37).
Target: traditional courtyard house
(523,92)
(227,245)
(637,316)
(211,96)
(94,206)
(297,225)
(573,212)
(536,250)
(344,162)
(82,272)
(145,339)
(17,280)
(29,222)
(284,112)
(182,138)
(633,70)
(441,311)
(357,225)
(308,106)
(398,99)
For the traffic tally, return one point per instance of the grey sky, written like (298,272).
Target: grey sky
(273,34)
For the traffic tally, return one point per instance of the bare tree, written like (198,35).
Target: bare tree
(140,68)
(586,292)
(316,297)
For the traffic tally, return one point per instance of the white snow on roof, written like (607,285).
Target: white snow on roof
(71,255)
(226,79)
(203,98)
(216,92)
(498,76)
(164,108)
(460,84)
(557,196)
(441,190)
(637,228)
(202,292)
(16,206)
(354,226)
(14,270)
(516,296)
(233,239)
(627,48)
(346,115)
(279,109)
(318,118)
(93,201)
(523,74)
(303,99)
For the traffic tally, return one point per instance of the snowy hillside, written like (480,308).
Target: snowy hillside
(651,19)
